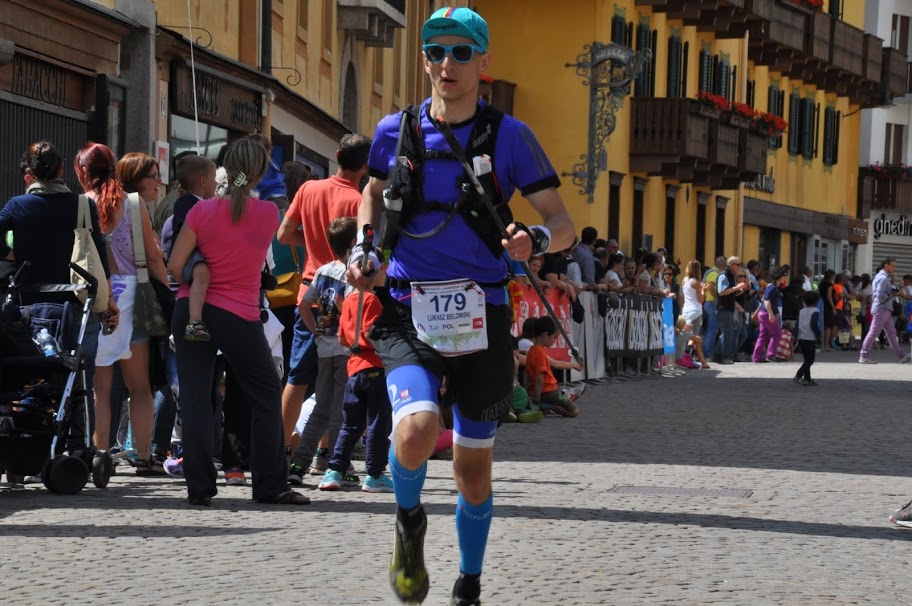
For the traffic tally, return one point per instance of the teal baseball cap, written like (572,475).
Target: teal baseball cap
(456,21)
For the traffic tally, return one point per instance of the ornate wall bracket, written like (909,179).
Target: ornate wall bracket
(293,79)
(200,40)
(608,70)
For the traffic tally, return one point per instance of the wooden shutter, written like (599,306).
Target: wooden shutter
(618,29)
(705,71)
(837,125)
(641,84)
(654,45)
(685,52)
(829,130)
(794,132)
(674,67)
(807,128)
(773,108)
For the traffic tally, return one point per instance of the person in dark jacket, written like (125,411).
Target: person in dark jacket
(41,222)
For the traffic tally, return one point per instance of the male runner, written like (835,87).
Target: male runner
(456,54)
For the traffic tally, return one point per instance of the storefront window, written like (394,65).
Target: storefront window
(184,133)
(317,164)
(115,122)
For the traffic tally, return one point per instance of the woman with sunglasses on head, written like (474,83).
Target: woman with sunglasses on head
(436,243)
(139,173)
(96,170)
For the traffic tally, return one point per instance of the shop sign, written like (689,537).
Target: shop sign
(218,101)
(43,81)
(885,226)
(764,183)
(858,232)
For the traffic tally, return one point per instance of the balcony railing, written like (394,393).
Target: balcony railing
(374,22)
(847,41)
(895,72)
(878,191)
(872,65)
(788,27)
(820,37)
(681,139)
(727,18)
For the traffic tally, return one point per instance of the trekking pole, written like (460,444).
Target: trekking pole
(460,156)
(367,246)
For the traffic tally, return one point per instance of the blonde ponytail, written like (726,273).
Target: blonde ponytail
(245,163)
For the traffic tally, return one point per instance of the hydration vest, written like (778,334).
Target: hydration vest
(407,180)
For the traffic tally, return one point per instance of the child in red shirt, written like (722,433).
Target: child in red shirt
(542,386)
(365,402)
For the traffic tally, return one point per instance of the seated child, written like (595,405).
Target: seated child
(520,410)
(684,337)
(196,175)
(540,381)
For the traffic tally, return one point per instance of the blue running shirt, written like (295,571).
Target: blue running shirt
(457,251)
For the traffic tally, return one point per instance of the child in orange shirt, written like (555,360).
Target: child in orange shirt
(541,384)
(365,402)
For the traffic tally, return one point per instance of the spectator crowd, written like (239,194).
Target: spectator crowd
(269,372)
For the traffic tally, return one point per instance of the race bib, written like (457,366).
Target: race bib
(450,316)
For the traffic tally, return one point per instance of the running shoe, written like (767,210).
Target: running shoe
(335,480)
(381,483)
(296,474)
(866,361)
(466,585)
(320,462)
(903,517)
(332,480)
(235,477)
(174,467)
(905,359)
(408,576)
(531,416)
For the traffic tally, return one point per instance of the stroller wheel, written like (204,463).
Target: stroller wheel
(65,475)
(102,469)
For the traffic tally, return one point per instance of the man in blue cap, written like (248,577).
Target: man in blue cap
(445,309)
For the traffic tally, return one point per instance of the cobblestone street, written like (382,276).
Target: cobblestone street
(802,479)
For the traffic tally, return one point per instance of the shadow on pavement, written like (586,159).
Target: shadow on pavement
(150,531)
(841,426)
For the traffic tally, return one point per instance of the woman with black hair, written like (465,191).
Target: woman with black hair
(41,223)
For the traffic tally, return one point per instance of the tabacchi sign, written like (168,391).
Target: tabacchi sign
(884,226)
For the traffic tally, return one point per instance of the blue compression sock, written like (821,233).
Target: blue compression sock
(472,525)
(406,483)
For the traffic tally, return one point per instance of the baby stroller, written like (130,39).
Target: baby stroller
(39,393)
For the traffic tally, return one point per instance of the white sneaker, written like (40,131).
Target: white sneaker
(866,361)
(905,359)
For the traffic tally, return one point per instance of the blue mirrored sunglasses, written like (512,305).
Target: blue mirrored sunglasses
(461,53)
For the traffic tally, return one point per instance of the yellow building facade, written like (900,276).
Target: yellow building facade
(801,195)
(334,66)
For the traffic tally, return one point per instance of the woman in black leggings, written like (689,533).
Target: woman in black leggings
(232,235)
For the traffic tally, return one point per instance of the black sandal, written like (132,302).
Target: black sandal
(289,497)
(197,332)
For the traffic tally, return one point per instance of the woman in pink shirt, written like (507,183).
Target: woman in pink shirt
(233,234)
